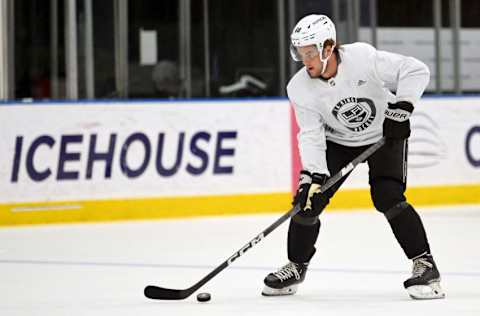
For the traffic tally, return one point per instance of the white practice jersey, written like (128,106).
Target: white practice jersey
(348,109)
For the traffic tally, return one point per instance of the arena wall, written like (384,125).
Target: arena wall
(102,161)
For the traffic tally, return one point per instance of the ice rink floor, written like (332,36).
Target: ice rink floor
(101,269)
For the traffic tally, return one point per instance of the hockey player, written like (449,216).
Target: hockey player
(343,103)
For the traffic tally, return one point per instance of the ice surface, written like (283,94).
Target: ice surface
(101,269)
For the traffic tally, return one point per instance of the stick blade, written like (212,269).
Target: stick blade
(159,293)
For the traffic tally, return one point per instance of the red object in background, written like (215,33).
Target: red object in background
(296,162)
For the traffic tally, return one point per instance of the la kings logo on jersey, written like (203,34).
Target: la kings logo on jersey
(355,113)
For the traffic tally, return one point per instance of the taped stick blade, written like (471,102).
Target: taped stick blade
(159,293)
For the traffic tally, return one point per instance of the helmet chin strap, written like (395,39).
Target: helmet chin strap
(325,60)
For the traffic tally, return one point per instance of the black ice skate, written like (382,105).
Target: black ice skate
(424,284)
(285,281)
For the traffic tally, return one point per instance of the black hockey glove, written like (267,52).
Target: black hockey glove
(308,193)
(303,186)
(397,124)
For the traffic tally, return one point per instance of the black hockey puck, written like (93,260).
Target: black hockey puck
(203,297)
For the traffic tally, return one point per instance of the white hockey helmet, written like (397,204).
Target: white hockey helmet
(313,29)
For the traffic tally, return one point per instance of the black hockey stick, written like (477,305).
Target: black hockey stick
(160,293)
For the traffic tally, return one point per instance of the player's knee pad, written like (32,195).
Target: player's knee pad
(396,210)
(386,193)
(307,218)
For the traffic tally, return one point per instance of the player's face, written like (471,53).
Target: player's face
(311,59)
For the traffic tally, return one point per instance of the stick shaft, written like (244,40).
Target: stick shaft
(156,292)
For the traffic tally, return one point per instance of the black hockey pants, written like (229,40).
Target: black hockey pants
(387,178)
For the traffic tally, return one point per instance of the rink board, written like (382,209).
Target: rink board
(103,161)
(73,162)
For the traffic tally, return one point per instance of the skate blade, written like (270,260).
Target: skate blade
(426,292)
(289,290)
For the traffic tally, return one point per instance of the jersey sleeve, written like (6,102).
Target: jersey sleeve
(407,76)
(311,140)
